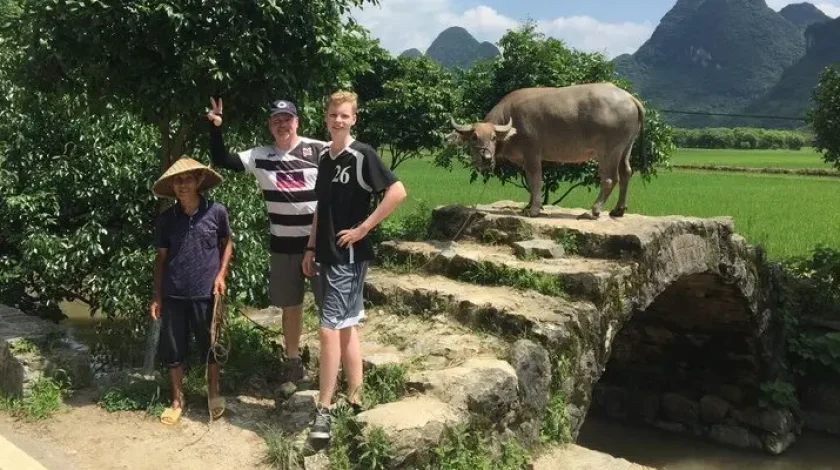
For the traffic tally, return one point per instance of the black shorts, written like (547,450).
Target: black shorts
(179,318)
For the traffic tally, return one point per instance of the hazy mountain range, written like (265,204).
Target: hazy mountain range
(718,56)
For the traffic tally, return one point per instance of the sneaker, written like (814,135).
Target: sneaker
(321,426)
(356,409)
(292,370)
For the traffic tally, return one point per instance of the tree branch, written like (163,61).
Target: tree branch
(164,128)
(180,140)
(558,201)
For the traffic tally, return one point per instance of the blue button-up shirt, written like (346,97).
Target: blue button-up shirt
(193,244)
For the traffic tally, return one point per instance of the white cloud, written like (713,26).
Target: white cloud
(829,7)
(403,24)
(587,33)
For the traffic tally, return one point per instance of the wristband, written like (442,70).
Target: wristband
(310,248)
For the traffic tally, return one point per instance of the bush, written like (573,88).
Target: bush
(810,288)
(745,138)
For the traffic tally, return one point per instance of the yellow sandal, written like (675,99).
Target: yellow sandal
(217,407)
(172,415)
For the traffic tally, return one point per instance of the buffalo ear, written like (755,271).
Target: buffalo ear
(505,136)
(456,137)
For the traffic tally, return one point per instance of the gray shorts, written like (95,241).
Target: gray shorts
(286,280)
(342,294)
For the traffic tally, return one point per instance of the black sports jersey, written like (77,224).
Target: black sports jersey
(344,187)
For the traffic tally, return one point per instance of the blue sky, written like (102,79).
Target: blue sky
(610,26)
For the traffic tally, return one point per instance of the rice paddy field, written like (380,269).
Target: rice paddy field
(787,214)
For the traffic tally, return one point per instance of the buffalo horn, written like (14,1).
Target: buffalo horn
(504,128)
(460,127)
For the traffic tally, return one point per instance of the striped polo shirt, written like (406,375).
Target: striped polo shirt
(287,180)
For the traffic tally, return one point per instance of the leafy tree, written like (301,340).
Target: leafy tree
(161,60)
(825,115)
(78,215)
(530,59)
(412,110)
(99,95)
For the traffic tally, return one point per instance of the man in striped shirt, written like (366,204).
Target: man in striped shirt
(286,171)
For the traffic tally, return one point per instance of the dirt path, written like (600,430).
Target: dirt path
(84,436)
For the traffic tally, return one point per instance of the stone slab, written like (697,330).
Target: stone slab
(574,457)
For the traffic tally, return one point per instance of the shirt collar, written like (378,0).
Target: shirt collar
(202,205)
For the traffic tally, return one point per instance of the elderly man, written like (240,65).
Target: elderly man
(286,172)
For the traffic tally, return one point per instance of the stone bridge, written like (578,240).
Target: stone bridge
(658,320)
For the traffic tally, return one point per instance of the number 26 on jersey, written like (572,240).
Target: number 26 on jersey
(342,175)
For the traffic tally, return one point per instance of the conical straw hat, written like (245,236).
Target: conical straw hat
(163,186)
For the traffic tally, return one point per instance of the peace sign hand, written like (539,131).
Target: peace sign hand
(215,114)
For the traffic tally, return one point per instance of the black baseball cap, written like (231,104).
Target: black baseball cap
(282,106)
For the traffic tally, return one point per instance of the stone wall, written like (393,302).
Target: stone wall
(31,348)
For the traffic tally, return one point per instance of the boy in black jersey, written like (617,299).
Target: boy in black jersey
(350,172)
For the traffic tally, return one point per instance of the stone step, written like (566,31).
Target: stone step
(574,276)
(629,237)
(413,425)
(574,457)
(502,311)
(484,386)
(417,342)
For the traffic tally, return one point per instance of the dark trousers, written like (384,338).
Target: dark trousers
(179,318)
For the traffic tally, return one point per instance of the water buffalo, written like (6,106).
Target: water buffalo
(570,124)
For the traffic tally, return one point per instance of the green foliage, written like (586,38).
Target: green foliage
(532,60)
(497,274)
(739,138)
(470,447)
(569,240)
(40,401)
(412,110)
(282,453)
(555,425)
(140,395)
(825,115)
(413,226)
(809,287)
(250,354)
(779,395)
(161,61)
(352,449)
(384,384)
(375,450)
(76,193)
(75,189)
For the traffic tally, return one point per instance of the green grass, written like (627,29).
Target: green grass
(804,158)
(40,401)
(788,214)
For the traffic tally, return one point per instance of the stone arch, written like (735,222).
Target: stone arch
(696,339)
(693,360)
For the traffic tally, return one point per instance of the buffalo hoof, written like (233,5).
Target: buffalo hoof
(618,212)
(588,216)
(531,212)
